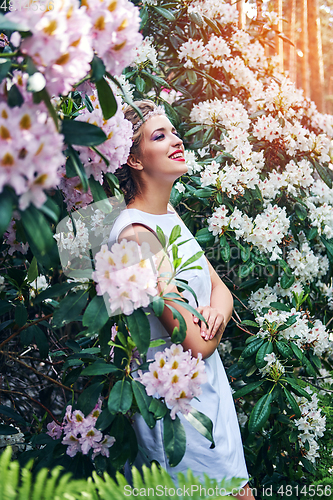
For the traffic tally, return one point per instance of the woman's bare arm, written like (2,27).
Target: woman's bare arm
(194,339)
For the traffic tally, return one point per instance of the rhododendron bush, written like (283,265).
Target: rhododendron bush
(258,196)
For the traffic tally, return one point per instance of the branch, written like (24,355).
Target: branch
(50,379)
(24,327)
(34,400)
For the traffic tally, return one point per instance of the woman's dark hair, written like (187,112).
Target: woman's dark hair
(126,175)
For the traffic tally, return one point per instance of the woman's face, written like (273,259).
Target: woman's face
(161,151)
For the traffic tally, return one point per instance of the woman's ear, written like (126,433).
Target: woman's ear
(134,162)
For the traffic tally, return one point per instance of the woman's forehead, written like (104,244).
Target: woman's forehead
(157,122)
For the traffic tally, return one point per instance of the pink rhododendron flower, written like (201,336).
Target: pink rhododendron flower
(30,152)
(60,45)
(80,434)
(125,274)
(117,146)
(115,32)
(177,377)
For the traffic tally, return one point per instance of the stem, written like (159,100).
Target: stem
(4,55)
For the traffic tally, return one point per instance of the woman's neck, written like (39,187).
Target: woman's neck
(153,201)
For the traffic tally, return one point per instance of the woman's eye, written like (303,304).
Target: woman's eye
(157,137)
(176,134)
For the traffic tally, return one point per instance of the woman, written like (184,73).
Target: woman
(156,160)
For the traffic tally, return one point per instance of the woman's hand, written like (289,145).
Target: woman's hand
(215,320)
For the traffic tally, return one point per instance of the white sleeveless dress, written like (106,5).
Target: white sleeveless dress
(226,460)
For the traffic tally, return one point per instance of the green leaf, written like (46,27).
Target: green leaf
(97,191)
(260,413)
(6,210)
(8,430)
(160,236)
(75,168)
(88,398)
(106,99)
(96,314)
(252,348)
(140,84)
(248,322)
(14,97)
(175,234)
(225,248)
(309,368)
(174,439)
(266,348)
(158,305)
(5,66)
(82,133)
(104,420)
(192,259)
(194,130)
(41,341)
(100,368)
(139,329)
(33,270)
(158,408)
(121,396)
(245,254)
(329,247)
(39,236)
(296,350)
(247,388)
(293,403)
(301,211)
(97,69)
(54,291)
(21,315)
(166,13)
(69,308)
(143,401)
(287,280)
(246,269)
(9,412)
(280,306)
(204,237)
(201,423)
(325,173)
(299,390)
(284,349)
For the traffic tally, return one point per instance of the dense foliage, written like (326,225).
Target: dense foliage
(258,197)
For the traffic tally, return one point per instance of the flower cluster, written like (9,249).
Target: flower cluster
(126,274)
(63,40)
(80,434)
(312,425)
(215,9)
(266,231)
(115,32)
(176,376)
(117,146)
(304,333)
(10,238)
(31,152)
(60,43)
(75,243)
(273,368)
(145,52)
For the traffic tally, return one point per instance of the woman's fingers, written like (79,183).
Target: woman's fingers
(213,318)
